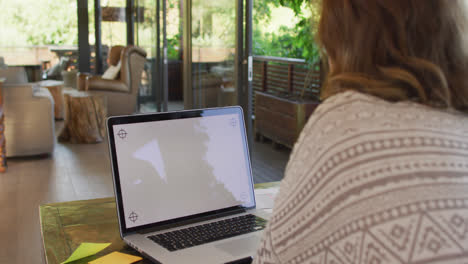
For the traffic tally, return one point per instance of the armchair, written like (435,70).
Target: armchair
(29,120)
(29,115)
(121,92)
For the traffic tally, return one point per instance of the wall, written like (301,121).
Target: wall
(28,55)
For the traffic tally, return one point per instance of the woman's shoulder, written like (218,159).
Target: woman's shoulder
(353,122)
(350,110)
(355,101)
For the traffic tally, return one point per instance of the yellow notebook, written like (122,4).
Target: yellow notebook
(116,258)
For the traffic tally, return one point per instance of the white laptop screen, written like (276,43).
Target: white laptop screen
(181,167)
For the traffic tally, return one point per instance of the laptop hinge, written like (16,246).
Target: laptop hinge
(128,233)
(192,221)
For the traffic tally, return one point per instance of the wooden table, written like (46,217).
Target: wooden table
(3,163)
(85,117)
(55,88)
(64,226)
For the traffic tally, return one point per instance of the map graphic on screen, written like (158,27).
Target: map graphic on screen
(152,154)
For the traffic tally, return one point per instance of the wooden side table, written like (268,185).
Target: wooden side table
(3,163)
(55,88)
(82,81)
(85,117)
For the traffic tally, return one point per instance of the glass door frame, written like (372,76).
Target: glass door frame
(244,63)
(160,71)
(83,33)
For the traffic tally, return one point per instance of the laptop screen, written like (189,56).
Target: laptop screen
(178,167)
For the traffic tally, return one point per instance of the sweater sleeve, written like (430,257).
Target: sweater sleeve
(265,252)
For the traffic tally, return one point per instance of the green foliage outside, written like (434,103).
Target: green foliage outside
(146,30)
(295,41)
(51,22)
(213,22)
(38,22)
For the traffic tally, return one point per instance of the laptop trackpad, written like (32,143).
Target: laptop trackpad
(240,246)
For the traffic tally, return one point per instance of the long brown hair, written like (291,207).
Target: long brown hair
(397,49)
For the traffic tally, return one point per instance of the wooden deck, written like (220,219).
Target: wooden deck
(268,163)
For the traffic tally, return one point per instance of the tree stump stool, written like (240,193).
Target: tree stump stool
(85,118)
(55,88)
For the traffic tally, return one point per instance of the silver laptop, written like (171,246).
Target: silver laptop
(183,186)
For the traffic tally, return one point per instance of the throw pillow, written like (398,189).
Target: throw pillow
(111,72)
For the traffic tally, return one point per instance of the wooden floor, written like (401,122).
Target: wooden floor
(75,172)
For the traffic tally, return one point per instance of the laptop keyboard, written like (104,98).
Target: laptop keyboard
(197,235)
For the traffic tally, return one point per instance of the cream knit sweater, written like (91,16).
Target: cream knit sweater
(373,182)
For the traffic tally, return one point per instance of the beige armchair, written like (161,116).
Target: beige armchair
(121,92)
(29,115)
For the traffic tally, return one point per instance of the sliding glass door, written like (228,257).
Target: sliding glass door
(212,54)
(216,45)
(198,53)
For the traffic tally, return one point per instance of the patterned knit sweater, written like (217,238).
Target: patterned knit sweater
(373,182)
